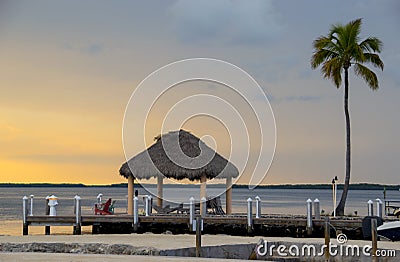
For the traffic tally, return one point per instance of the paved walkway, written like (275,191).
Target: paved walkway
(157,241)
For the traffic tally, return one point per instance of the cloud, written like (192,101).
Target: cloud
(235,22)
(88,49)
(302,98)
(9,132)
(69,159)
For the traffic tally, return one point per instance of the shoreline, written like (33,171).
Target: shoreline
(355,186)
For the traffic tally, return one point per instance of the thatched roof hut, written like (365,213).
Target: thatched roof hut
(179,155)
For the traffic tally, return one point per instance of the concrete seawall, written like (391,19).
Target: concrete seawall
(214,246)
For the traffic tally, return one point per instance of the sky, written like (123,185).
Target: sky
(68,69)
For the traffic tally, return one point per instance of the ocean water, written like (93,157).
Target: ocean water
(274,201)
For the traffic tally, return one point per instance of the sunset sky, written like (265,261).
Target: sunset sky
(68,68)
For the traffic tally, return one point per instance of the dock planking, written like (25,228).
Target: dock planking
(238,220)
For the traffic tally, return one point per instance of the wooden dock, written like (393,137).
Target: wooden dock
(311,225)
(228,224)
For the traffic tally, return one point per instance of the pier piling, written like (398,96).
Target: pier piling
(374,235)
(379,207)
(135,213)
(370,208)
(258,207)
(203,206)
(249,215)
(78,216)
(147,200)
(198,236)
(31,209)
(191,213)
(327,234)
(24,215)
(317,212)
(309,217)
(47,228)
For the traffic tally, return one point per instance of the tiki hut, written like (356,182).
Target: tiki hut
(179,155)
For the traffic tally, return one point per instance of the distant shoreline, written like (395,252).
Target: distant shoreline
(358,186)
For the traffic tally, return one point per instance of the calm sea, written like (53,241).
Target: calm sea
(274,201)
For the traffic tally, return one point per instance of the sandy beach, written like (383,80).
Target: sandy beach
(160,242)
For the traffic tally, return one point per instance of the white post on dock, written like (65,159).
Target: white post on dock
(379,207)
(99,196)
(150,206)
(78,215)
(203,204)
(31,210)
(258,207)
(135,213)
(47,228)
(52,204)
(25,215)
(249,215)
(370,208)
(146,205)
(317,211)
(191,211)
(309,216)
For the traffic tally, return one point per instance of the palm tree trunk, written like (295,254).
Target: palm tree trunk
(342,203)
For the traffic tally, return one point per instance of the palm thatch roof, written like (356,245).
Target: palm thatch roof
(178,155)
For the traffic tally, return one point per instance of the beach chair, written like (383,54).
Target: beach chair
(214,204)
(167,209)
(104,209)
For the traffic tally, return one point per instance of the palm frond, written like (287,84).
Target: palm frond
(374,59)
(320,56)
(357,54)
(337,76)
(368,75)
(336,35)
(371,44)
(321,42)
(332,69)
(353,30)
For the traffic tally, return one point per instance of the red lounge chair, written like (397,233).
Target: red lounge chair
(104,209)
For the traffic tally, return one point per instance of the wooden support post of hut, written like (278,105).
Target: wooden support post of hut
(203,193)
(228,195)
(190,158)
(131,189)
(160,180)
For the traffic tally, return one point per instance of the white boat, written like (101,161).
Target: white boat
(390,230)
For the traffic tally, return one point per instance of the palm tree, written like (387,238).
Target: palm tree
(337,52)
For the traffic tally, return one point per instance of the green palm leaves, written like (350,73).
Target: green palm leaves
(342,48)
